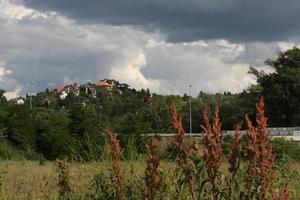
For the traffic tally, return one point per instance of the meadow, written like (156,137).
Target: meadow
(181,168)
(30,180)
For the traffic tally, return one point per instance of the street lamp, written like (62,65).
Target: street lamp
(190,88)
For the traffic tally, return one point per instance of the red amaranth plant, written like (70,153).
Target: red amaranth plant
(234,157)
(253,154)
(116,176)
(260,155)
(234,161)
(152,182)
(65,188)
(182,153)
(212,141)
(283,195)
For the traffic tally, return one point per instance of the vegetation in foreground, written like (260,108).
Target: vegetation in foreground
(200,170)
(26,180)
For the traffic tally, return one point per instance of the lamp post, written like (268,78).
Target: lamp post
(190,88)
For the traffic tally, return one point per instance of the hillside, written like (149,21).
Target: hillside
(62,119)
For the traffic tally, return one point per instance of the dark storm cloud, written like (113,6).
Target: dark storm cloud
(55,51)
(188,20)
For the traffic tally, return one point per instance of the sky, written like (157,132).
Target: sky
(163,45)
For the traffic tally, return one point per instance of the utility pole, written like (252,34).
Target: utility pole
(30,93)
(190,88)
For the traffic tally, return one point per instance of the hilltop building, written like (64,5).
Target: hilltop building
(90,89)
(106,83)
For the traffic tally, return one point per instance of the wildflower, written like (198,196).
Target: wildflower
(182,153)
(152,183)
(212,141)
(116,176)
(260,155)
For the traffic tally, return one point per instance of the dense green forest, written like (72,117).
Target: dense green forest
(73,125)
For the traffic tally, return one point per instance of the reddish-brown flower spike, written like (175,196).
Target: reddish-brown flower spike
(253,153)
(234,162)
(182,153)
(206,124)
(234,158)
(212,141)
(283,195)
(180,138)
(116,176)
(152,182)
(260,155)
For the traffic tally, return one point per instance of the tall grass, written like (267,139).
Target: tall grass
(200,170)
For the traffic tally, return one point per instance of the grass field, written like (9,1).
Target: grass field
(30,180)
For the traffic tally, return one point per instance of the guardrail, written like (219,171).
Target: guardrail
(273,131)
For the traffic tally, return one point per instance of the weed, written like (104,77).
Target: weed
(182,157)
(152,181)
(260,155)
(116,176)
(64,185)
(212,141)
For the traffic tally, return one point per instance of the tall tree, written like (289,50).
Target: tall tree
(2,111)
(20,126)
(281,88)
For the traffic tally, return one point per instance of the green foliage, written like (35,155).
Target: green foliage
(131,132)
(53,139)
(226,145)
(288,148)
(100,188)
(2,97)
(85,120)
(133,188)
(281,89)
(8,152)
(20,126)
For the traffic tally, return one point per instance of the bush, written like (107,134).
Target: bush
(286,147)
(100,188)
(8,152)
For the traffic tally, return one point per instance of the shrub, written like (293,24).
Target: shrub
(8,152)
(64,185)
(284,147)
(100,188)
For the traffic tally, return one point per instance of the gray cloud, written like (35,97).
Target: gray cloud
(52,49)
(189,20)
(55,51)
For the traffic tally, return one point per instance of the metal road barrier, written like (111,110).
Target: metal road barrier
(285,132)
